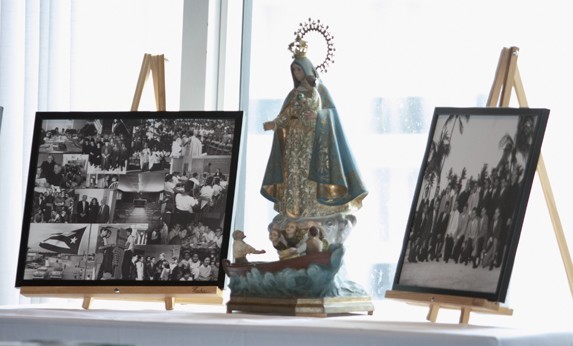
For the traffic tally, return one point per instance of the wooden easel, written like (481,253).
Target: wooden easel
(167,294)
(506,78)
(155,64)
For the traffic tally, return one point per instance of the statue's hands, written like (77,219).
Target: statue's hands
(269,125)
(310,115)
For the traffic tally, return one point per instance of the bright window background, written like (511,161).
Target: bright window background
(395,61)
(80,55)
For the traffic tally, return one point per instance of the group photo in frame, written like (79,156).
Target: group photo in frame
(470,201)
(129,198)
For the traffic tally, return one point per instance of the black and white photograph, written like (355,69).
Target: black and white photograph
(62,136)
(470,201)
(59,252)
(130,197)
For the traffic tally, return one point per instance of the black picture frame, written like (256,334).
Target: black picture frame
(494,151)
(145,165)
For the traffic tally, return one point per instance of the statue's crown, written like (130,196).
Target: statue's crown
(298,48)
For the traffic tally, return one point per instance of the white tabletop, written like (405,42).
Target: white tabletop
(144,323)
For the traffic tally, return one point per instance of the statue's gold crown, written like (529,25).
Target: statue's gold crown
(298,48)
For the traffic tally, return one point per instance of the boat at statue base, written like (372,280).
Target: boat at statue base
(308,276)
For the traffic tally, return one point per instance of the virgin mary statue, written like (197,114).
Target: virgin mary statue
(313,182)
(310,172)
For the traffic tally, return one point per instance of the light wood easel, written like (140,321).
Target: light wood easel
(155,64)
(506,78)
(167,294)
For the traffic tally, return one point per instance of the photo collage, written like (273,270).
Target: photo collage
(130,199)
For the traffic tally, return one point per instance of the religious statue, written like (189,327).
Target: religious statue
(311,176)
(310,171)
(314,184)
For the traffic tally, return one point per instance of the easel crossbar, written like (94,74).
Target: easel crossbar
(435,302)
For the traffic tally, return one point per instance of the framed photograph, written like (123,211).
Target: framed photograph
(470,201)
(129,198)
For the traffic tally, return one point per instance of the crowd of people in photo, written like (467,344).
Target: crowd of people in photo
(148,159)
(189,268)
(57,140)
(157,142)
(53,206)
(193,192)
(53,192)
(106,153)
(195,235)
(128,262)
(469,226)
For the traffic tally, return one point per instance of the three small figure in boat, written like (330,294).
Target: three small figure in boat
(289,243)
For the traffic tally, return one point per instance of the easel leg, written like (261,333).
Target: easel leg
(158,72)
(433,313)
(145,68)
(87,303)
(169,303)
(556,221)
(465,315)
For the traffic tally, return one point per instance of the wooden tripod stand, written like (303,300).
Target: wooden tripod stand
(155,64)
(507,78)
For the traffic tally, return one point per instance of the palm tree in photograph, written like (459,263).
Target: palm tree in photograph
(520,143)
(457,120)
(441,149)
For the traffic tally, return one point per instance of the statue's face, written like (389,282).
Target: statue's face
(274,236)
(290,229)
(297,72)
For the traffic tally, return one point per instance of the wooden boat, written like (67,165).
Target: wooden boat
(308,276)
(301,262)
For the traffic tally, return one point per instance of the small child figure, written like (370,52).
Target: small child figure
(313,243)
(242,249)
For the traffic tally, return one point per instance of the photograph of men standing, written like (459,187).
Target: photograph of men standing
(82,209)
(103,214)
